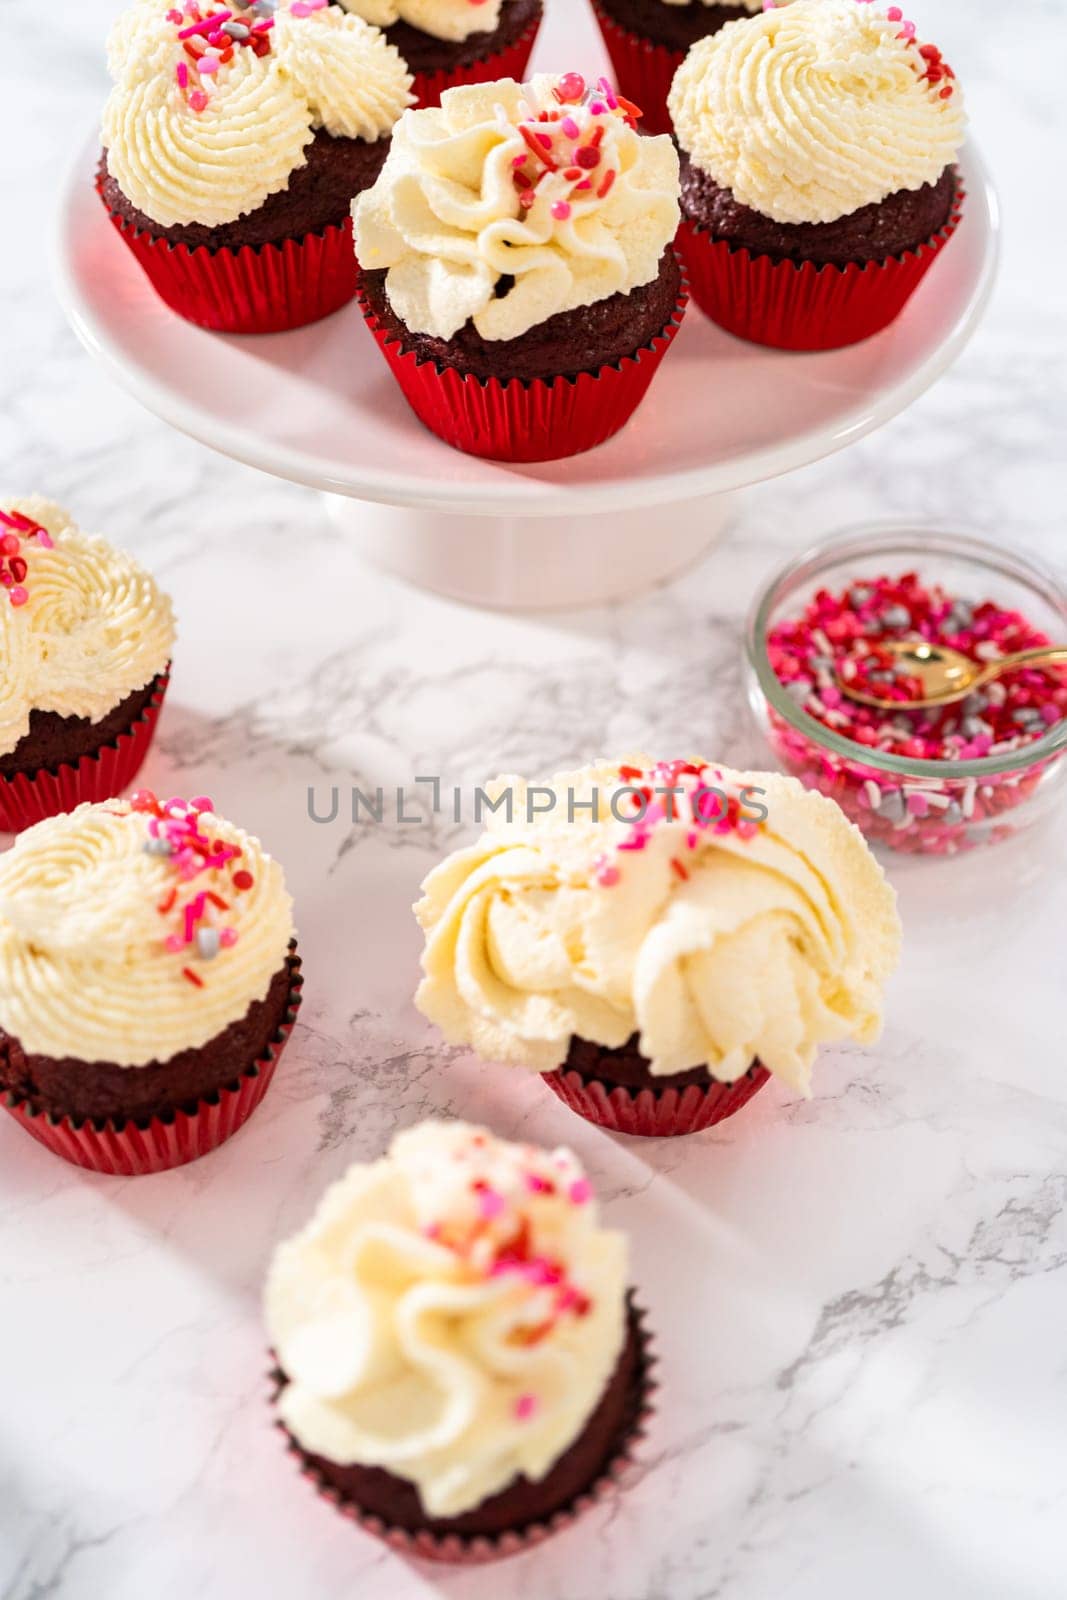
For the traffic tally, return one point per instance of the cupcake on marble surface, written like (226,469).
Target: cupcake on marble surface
(234,141)
(518,266)
(85,643)
(656,939)
(148,981)
(818,180)
(451,42)
(461,1367)
(647,41)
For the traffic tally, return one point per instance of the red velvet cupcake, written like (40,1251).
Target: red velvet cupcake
(818,181)
(234,140)
(85,643)
(647,41)
(461,1369)
(657,939)
(148,981)
(447,43)
(524,310)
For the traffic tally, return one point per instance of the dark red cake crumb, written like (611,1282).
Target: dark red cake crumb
(54,740)
(675,27)
(626,1068)
(100,1091)
(379,1493)
(901,222)
(319,195)
(583,340)
(424,53)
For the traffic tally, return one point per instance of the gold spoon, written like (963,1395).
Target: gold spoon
(946,674)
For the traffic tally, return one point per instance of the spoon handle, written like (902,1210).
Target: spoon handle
(1044,656)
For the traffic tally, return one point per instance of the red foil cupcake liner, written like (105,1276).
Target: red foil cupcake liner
(519,420)
(643,71)
(132,1149)
(650,1114)
(266,288)
(476,1550)
(510,63)
(26,798)
(793,306)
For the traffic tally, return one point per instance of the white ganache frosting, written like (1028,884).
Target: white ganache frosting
(82,627)
(115,948)
(452,20)
(209,138)
(719,940)
(452,1313)
(809,112)
(563,195)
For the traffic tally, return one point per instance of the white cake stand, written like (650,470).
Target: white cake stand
(318,407)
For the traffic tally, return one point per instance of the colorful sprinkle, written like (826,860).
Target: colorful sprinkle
(843,634)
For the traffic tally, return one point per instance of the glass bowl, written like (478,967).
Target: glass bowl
(925,807)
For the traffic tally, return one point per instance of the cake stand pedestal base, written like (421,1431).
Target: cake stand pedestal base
(533,563)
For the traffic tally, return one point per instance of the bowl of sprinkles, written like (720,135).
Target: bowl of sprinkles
(933,780)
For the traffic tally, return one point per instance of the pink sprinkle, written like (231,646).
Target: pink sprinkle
(228,938)
(597,109)
(580,1192)
(175,942)
(538,1185)
(201,803)
(561,211)
(895,14)
(207,25)
(198,100)
(570,128)
(208,64)
(300,9)
(18,595)
(525,1407)
(182,74)
(490,1204)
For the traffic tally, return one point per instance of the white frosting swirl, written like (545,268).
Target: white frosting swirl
(356,83)
(715,945)
(809,112)
(454,20)
(452,1313)
(219,146)
(85,970)
(94,628)
(447,220)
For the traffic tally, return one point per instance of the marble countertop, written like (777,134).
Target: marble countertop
(859,1301)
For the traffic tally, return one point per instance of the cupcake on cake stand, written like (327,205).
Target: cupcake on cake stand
(318,407)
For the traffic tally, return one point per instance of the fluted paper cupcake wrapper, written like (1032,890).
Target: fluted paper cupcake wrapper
(793,306)
(474,1550)
(26,798)
(510,63)
(134,1149)
(651,1113)
(519,420)
(644,71)
(267,288)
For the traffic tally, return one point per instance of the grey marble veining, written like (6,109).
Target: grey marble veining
(859,1300)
